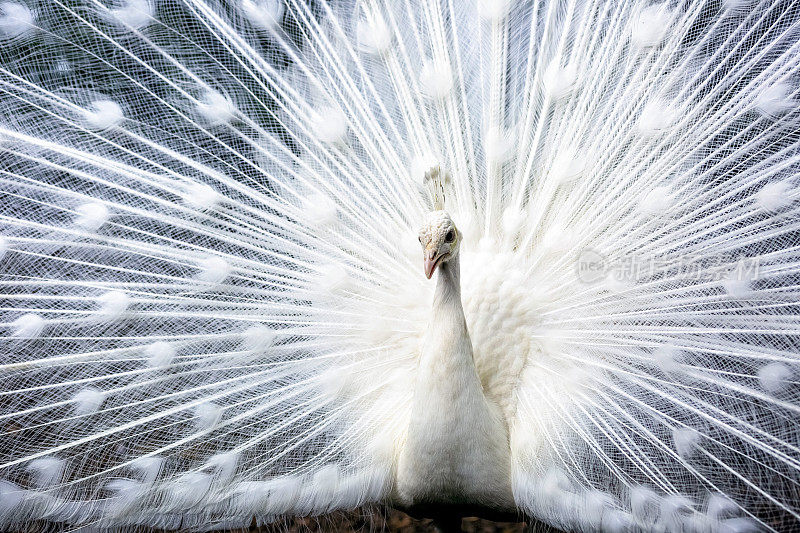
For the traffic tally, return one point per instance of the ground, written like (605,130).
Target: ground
(389,520)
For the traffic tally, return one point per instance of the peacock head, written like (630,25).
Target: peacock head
(439,238)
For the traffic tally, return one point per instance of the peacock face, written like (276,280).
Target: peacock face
(439,238)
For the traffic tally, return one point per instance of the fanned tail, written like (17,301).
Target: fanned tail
(210,282)
(192,238)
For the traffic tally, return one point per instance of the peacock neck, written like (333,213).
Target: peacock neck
(448,287)
(456,448)
(447,338)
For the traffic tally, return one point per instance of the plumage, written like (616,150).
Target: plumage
(215,306)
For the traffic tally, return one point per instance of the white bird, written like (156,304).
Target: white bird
(214,308)
(456,447)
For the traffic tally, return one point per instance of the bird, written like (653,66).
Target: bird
(264,259)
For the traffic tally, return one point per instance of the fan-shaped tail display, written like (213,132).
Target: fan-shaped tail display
(211,285)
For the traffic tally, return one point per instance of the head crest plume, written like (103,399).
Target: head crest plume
(435,180)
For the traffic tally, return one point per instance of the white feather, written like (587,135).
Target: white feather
(333,279)
(736,286)
(284,492)
(103,115)
(250,497)
(774,196)
(135,14)
(88,400)
(559,81)
(214,270)
(112,305)
(775,377)
(319,493)
(127,495)
(436,78)
(28,326)
(735,5)
(616,522)
(658,201)
(148,467)
(224,465)
(719,507)
(422,164)
(215,107)
(498,146)
(46,471)
(656,117)
(774,100)
(739,525)
(320,211)
(264,14)
(686,441)
(597,506)
(493,10)
(373,34)
(159,354)
(676,511)
(207,415)
(329,124)
(258,339)
(91,216)
(16,19)
(645,505)
(568,165)
(667,358)
(12,499)
(651,24)
(201,196)
(512,221)
(188,490)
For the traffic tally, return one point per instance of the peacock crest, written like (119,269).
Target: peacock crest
(435,180)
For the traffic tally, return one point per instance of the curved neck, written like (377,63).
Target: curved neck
(448,285)
(446,340)
(456,443)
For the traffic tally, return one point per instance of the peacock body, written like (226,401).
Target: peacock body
(213,300)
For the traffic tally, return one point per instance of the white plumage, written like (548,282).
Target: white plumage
(213,301)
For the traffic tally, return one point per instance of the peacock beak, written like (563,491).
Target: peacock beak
(431,261)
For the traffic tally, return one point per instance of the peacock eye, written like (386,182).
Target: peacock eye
(450,236)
